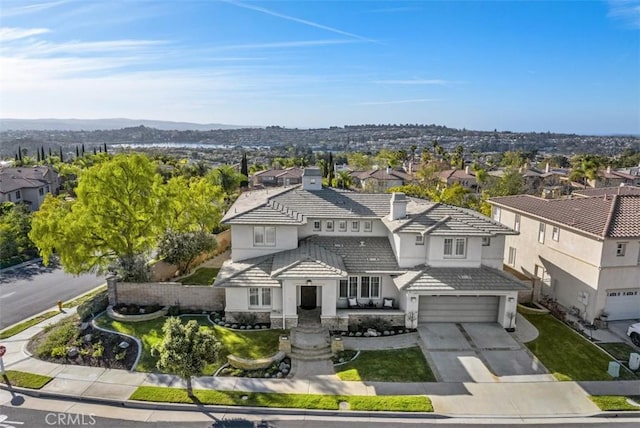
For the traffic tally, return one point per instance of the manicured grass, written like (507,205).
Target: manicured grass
(202,276)
(407,403)
(567,355)
(249,344)
(620,350)
(86,297)
(396,365)
(25,380)
(18,328)
(615,402)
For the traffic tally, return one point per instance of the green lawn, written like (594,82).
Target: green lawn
(18,328)
(566,354)
(395,365)
(25,380)
(202,276)
(249,344)
(620,350)
(404,403)
(615,402)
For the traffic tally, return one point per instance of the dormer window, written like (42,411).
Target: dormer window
(264,236)
(355,226)
(342,226)
(419,239)
(368,226)
(455,247)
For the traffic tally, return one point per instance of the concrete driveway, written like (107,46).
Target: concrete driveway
(619,329)
(478,352)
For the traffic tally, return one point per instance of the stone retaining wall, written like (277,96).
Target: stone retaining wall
(166,294)
(260,363)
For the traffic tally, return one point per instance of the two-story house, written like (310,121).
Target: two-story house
(583,251)
(357,255)
(28,185)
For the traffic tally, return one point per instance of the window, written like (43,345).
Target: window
(555,233)
(41,191)
(17,195)
(368,226)
(621,249)
(364,287)
(496,213)
(512,256)
(353,286)
(264,235)
(486,241)
(259,296)
(344,289)
(419,239)
(516,223)
(355,226)
(375,287)
(317,225)
(47,189)
(329,226)
(454,247)
(342,225)
(541,228)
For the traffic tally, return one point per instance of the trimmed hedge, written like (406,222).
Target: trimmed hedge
(93,306)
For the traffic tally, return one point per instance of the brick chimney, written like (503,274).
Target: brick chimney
(398,206)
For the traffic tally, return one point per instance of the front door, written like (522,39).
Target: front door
(308,297)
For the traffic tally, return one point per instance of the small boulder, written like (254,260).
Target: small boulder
(385,333)
(249,327)
(282,366)
(358,334)
(72,352)
(84,326)
(264,327)
(279,375)
(124,344)
(234,326)
(242,327)
(142,310)
(87,338)
(285,371)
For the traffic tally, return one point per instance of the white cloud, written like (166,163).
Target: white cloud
(626,10)
(31,8)
(440,82)
(8,34)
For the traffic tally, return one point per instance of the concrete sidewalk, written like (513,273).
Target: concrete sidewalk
(518,399)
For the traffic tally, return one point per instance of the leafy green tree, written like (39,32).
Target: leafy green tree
(15,224)
(186,349)
(344,180)
(585,167)
(193,205)
(226,177)
(117,216)
(181,249)
(359,161)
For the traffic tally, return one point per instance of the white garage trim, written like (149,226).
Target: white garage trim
(458,308)
(623,304)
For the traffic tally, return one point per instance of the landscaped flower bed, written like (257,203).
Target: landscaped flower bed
(133,309)
(371,332)
(73,342)
(278,370)
(241,324)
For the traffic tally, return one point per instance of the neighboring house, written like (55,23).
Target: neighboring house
(380,180)
(357,255)
(583,251)
(278,177)
(602,191)
(28,185)
(609,177)
(464,177)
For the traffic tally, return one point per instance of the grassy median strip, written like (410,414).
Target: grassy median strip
(402,403)
(25,380)
(396,365)
(616,402)
(18,328)
(86,297)
(567,355)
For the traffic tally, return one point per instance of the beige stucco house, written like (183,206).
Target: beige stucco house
(28,185)
(356,255)
(584,251)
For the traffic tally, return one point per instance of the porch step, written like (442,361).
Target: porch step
(307,355)
(310,342)
(310,328)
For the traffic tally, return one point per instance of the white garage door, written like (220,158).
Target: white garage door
(623,304)
(458,308)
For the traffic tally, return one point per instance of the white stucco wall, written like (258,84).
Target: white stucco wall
(492,255)
(473,256)
(407,252)
(242,242)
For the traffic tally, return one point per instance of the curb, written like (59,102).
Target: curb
(132,404)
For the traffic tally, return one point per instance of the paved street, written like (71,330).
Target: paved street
(30,289)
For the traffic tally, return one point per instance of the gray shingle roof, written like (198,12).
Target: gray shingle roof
(443,220)
(247,273)
(249,201)
(12,179)
(458,279)
(616,216)
(309,260)
(360,255)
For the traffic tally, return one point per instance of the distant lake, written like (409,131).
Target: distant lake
(187,146)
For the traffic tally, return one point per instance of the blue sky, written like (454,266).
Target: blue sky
(521,66)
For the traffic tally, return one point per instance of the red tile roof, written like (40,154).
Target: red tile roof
(609,216)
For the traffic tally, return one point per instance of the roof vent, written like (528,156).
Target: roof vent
(337,245)
(464,276)
(362,243)
(373,259)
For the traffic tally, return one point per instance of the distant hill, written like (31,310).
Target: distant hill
(106,124)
